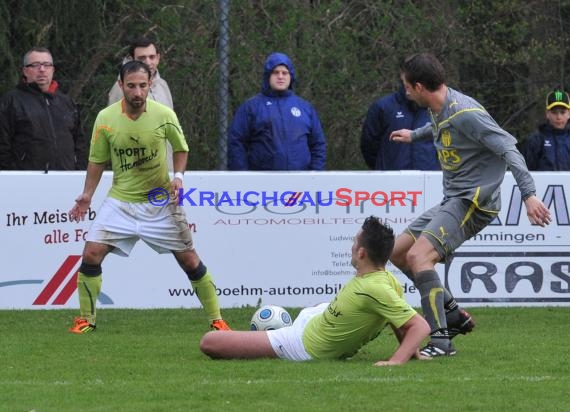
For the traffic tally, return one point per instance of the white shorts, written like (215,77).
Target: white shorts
(288,342)
(122,224)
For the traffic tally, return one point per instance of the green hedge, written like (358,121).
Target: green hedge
(505,53)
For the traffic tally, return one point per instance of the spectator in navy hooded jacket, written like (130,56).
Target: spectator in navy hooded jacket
(548,149)
(394,112)
(276,129)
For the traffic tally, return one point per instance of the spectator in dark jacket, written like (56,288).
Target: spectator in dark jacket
(276,129)
(394,112)
(39,125)
(549,147)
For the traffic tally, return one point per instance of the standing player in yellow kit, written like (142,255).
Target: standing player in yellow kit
(132,134)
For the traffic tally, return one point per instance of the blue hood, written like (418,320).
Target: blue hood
(273,60)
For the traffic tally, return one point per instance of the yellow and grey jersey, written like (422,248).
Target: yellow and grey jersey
(474,152)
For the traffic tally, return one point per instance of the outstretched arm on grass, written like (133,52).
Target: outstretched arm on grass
(410,335)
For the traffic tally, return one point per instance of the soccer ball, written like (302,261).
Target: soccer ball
(270,317)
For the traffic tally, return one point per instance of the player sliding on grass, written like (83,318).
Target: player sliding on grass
(474,153)
(132,135)
(337,330)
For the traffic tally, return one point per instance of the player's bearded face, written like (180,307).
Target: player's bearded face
(136,86)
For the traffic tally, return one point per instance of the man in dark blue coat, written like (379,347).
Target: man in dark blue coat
(395,112)
(276,129)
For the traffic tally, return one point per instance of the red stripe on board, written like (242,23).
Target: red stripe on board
(67,291)
(291,201)
(57,279)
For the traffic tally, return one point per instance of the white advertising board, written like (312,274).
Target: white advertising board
(293,253)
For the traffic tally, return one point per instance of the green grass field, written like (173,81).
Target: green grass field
(148,360)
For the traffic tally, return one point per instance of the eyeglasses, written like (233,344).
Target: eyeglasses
(37,65)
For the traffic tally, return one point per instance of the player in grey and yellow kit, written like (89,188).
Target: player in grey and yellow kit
(474,153)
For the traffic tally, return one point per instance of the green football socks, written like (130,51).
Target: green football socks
(206,292)
(88,288)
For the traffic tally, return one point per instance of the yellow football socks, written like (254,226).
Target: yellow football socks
(88,288)
(206,292)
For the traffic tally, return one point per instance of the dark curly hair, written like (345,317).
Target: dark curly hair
(377,239)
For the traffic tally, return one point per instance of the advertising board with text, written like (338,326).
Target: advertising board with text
(281,238)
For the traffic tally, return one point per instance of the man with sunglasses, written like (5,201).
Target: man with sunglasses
(40,125)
